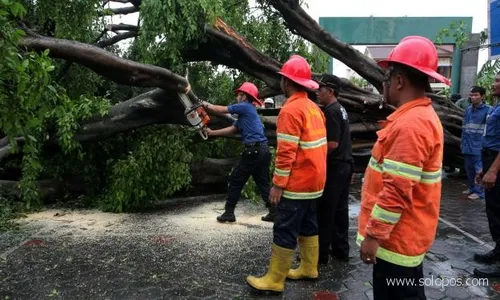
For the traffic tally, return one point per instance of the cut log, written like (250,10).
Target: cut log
(212,171)
(49,188)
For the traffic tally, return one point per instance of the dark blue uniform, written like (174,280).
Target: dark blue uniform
(256,158)
(472,139)
(491,147)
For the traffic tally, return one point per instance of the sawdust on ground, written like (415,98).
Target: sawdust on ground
(198,221)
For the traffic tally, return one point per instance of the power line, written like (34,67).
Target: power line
(494,45)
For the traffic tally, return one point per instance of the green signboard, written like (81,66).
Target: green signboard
(389,30)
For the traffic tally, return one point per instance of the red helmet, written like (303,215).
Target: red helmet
(298,70)
(419,53)
(249,89)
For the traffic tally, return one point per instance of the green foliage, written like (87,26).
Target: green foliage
(360,82)
(156,167)
(457,31)
(74,20)
(446,92)
(486,77)
(216,87)
(30,103)
(167,26)
(9,209)
(264,27)
(318,59)
(132,170)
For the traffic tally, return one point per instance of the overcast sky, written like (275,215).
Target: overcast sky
(477,9)
(386,8)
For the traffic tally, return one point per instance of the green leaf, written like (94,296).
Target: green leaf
(20,32)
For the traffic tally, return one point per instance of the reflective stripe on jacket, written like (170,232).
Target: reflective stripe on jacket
(473,128)
(300,167)
(401,192)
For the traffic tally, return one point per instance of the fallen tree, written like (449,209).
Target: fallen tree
(221,44)
(161,105)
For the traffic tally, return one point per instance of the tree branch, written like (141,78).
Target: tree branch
(125,10)
(298,20)
(120,70)
(154,107)
(227,47)
(115,39)
(118,1)
(121,26)
(98,43)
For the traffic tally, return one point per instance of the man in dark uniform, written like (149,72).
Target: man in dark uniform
(333,210)
(491,183)
(255,159)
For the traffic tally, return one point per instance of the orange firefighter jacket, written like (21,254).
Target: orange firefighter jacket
(300,167)
(401,192)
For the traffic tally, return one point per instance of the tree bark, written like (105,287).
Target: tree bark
(154,107)
(225,46)
(298,21)
(117,69)
(212,171)
(49,188)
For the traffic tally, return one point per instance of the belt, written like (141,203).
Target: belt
(256,144)
(336,160)
(489,152)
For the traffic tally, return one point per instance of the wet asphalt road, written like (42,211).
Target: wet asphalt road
(181,252)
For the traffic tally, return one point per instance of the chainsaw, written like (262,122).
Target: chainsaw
(195,114)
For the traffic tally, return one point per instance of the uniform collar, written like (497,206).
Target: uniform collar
(406,107)
(478,107)
(296,96)
(332,103)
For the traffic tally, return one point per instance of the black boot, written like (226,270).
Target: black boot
(341,255)
(488,258)
(270,216)
(228,215)
(323,259)
(488,272)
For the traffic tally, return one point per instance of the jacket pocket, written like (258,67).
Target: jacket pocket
(378,149)
(287,214)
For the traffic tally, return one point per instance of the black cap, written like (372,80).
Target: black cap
(330,81)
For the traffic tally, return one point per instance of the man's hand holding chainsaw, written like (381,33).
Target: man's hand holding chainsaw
(215,109)
(218,109)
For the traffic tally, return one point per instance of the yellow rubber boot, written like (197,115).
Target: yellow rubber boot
(274,280)
(309,253)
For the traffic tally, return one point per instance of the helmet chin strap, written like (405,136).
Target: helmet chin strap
(387,84)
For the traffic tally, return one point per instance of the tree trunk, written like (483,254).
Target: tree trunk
(49,188)
(224,45)
(299,22)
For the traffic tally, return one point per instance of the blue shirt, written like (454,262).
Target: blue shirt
(473,128)
(248,123)
(491,139)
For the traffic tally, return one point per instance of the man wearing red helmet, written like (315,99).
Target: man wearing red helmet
(256,158)
(299,179)
(401,193)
